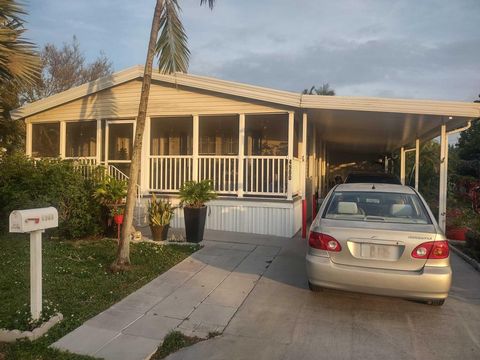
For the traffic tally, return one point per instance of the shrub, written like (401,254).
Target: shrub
(196,194)
(25,183)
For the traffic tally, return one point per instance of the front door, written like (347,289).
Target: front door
(119,144)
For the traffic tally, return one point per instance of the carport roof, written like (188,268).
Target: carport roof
(364,124)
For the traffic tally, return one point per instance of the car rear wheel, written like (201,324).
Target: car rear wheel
(436,302)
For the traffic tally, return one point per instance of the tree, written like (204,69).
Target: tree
(19,67)
(322,90)
(63,68)
(19,62)
(173,54)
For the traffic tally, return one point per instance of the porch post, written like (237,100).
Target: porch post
(303,173)
(241,154)
(291,120)
(442,194)
(314,172)
(98,145)
(402,165)
(63,138)
(195,147)
(145,161)
(28,138)
(417,163)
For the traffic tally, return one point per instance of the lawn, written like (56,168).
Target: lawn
(76,280)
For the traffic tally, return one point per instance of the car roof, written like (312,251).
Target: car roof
(374,187)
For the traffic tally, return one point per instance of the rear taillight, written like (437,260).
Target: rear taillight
(431,250)
(323,242)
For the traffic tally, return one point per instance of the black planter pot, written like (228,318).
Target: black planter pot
(195,223)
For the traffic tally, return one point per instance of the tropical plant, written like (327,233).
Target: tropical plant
(195,194)
(172,51)
(19,62)
(117,210)
(160,212)
(111,192)
(322,90)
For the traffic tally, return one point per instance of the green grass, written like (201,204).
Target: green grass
(77,280)
(173,342)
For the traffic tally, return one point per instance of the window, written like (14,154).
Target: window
(172,136)
(46,140)
(377,206)
(81,139)
(120,141)
(218,135)
(266,135)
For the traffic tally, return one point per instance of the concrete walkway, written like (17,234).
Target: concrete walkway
(198,296)
(282,319)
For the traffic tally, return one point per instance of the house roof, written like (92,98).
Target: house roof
(291,99)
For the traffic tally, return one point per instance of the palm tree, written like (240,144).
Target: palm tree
(19,62)
(172,51)
(322,90)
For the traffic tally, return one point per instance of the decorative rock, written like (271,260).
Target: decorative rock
(13,335)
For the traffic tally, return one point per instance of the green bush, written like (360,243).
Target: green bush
(25,183)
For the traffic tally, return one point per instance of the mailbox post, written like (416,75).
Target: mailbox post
(34,221)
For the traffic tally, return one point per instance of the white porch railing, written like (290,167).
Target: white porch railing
(222,170)
(86,165)
(168,173)
(266,175)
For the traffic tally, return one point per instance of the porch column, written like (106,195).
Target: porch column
(442,194)
(303,174)
(28,138)
(145,160)
(291,121)
(417,163)
(402,165)
(314,172)
(195,147)
(241,153)
(63,139)
(98,145)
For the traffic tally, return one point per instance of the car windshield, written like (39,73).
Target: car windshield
(377,206)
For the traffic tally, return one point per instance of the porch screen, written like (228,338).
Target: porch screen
(172,136)
(266,135)
(81,139)
(218,135)
(46,140)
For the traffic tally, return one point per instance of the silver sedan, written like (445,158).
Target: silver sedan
(379,239)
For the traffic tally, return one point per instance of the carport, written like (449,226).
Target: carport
(342,131)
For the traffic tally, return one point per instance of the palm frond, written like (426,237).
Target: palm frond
(211,3)
(172,49)
(19,61)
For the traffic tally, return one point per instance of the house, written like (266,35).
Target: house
(269,153)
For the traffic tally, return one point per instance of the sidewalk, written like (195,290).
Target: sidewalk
(197,296)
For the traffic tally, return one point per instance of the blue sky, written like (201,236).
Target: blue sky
(389,48)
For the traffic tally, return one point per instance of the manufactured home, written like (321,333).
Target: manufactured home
(269,153)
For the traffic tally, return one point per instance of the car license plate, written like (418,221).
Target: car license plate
(378,252)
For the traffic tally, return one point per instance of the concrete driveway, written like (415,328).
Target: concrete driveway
(281,319)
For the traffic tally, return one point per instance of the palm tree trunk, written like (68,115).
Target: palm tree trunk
(123,252)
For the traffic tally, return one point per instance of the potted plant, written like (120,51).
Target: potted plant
(456,229)
(160,214)
(193,197)
(117,214)
(110,193)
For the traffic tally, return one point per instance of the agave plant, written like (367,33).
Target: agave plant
(160,211)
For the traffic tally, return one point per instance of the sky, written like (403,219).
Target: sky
(426,49)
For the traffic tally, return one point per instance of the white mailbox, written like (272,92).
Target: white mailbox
(25,221)
(34,221)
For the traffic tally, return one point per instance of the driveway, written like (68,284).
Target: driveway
(281,319)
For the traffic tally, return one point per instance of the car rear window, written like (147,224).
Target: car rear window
(372,178)
(377,206)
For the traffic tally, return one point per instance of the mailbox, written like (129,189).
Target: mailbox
(25,221)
